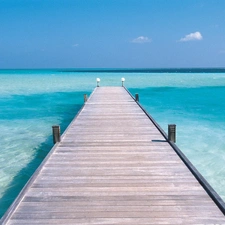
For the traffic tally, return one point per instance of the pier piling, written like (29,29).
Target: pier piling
(137,97)
(85,97)
(56,133)
(172,132)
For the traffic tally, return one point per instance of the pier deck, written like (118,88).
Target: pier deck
(113,166)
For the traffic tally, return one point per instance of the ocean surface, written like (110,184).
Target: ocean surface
(31,101)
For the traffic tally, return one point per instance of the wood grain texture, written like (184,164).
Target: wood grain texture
(113,166)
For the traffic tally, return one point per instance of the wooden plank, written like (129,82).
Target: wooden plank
(121,221)
(113,166)
(115,214)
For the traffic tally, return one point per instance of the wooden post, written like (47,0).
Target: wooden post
(85,97)
(56,133)
(172,132)
(136,97)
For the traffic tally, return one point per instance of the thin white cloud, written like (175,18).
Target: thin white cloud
(75,45)
(222,51)
(141,40)
(192,37)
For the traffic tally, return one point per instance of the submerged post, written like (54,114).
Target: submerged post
(122,80)
(98,81)
(136,97)
(172,132)
(85,97)
(56,133)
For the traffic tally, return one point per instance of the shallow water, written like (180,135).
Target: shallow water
(34,100)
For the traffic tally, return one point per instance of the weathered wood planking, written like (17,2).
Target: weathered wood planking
(113,166)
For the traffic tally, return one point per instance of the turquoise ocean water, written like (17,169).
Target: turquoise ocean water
(31,101)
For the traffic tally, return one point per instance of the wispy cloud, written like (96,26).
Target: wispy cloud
(192,37)
(75,45)
(141,40)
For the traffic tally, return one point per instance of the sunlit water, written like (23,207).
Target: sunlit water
(32,101)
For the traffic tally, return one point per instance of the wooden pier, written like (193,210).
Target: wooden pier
(113,166)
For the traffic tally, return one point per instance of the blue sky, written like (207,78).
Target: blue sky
(112,33)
